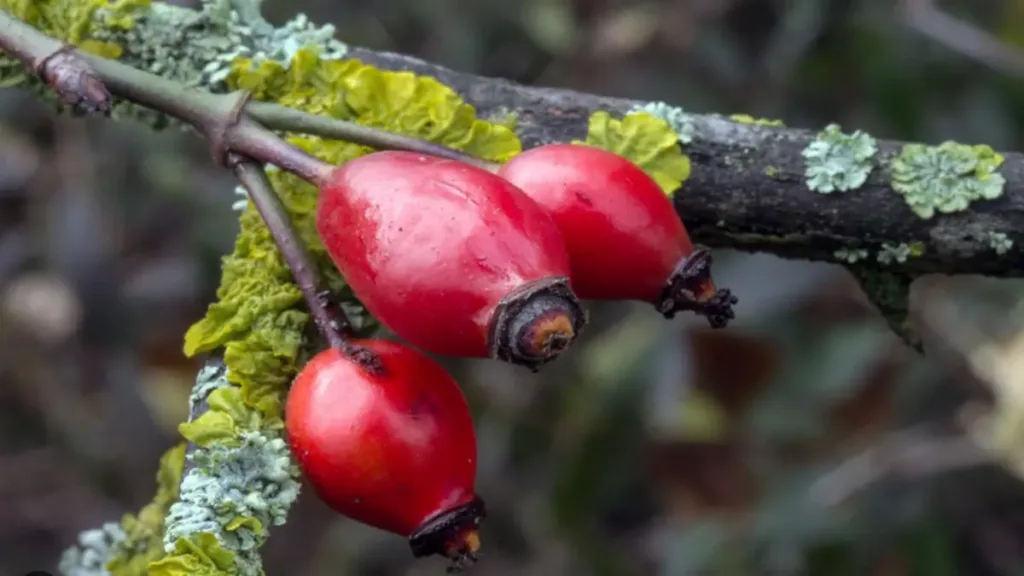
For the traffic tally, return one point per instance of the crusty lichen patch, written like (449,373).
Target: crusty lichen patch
(946,178)
(851,255)
(838,162)
(999,242)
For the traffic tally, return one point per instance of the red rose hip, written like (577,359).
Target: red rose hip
(624,238)
(385,437)
(450,257)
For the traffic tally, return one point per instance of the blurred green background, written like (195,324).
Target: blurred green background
(806,439)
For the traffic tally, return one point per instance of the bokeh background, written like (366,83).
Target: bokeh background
(807,439)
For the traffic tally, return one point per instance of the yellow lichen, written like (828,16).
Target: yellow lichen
(748,119)
(648,141)
(72,20)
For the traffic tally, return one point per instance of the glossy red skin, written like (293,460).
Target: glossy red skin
(390,451)
(623,235)
(430,246)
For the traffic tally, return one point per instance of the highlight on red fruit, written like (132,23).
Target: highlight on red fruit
(452,258)
(624,237)
(384,436)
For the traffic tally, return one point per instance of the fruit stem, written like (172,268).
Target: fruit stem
(331,321)
(293,120)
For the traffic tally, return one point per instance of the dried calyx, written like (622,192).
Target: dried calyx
(536,323)
(454,534)
(690,288)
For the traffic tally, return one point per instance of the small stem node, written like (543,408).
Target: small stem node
(218,127)
(73,80)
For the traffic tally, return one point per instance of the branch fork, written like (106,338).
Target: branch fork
(331,321)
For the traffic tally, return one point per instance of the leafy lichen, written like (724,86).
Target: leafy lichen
(946,178)
(748,119)
(837,161)
(999,242)
(679,120)
(646,140)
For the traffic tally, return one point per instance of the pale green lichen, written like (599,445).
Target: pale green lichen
(750,120)
(198,48)
(850,255)
(209,378)
(235,493)
(679,120)
(999,242)
(838,162)
(892,253)
(946,178)
(95,548)
(241,480)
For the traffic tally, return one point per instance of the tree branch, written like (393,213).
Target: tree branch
(747,186)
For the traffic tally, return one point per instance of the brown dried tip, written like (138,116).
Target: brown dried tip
(72,79)
(536,323)
(690,287)
(454,534)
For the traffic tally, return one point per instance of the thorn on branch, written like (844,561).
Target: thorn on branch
(73,80)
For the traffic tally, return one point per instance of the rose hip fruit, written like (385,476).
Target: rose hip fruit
(625,239)
(385,437)
(452,258)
